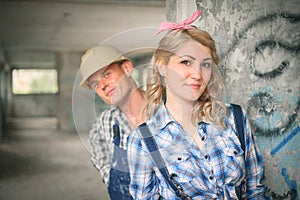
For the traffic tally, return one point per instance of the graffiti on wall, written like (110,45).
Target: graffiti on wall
(262,70)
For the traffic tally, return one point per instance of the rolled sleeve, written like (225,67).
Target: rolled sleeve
(255,189)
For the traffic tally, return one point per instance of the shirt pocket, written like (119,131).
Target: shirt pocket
(180,166)
(183,168)
(234,163)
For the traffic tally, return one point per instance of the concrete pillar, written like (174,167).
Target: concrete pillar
(68,64)
(258,43)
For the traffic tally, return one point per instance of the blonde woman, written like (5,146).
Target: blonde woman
(193,130)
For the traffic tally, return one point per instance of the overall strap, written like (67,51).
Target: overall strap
(238,118)
(152,147)
(116,132)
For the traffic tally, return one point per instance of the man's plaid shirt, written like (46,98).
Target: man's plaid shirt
(101,139)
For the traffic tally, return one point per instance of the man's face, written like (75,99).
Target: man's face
(111,84)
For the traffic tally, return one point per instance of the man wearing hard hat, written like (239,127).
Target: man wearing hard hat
(106,71)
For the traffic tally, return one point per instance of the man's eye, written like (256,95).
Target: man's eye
(94,85)
(185,62)
(106,75)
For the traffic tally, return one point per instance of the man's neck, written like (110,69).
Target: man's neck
(134,107)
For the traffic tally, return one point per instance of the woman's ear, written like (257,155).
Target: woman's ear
(127,67)
(161,68)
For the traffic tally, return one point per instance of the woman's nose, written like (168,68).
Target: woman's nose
(196,72)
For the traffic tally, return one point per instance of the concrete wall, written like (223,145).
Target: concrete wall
(258,42)
(68,65)
(30,105)
(42,105)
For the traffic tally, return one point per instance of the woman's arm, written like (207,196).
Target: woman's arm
(254,163)
(142,185)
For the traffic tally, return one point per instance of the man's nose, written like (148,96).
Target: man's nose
(102,83)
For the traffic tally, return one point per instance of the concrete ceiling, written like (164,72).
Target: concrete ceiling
(72,25)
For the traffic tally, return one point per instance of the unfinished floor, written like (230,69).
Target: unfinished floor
(46,164)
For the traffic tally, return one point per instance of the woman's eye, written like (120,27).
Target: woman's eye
(206,65)
(185,62)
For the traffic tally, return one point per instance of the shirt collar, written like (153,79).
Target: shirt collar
(118,114)
(162,117)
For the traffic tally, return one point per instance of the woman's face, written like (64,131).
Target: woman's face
(188,71)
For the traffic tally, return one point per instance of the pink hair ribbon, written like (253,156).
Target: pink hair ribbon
(164,26)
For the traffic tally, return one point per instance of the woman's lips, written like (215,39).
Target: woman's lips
(194,86)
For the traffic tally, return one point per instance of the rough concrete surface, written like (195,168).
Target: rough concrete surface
(46,165)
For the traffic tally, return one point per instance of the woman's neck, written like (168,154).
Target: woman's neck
(179,109)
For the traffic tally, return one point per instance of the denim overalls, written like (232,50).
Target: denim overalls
(119,178)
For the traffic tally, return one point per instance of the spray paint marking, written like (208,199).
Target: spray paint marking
(291,183)
(285,141)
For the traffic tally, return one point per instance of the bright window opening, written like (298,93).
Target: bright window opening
(35,81)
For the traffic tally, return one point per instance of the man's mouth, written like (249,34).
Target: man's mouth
(110,92)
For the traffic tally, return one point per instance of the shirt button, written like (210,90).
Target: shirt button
(211,177)
(179,159)
(206,157)
(203,138)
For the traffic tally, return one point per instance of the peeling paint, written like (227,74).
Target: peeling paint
(259,43)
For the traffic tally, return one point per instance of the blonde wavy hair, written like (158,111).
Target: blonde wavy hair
(210,106)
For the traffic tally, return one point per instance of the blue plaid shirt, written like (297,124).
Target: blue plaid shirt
(212,174)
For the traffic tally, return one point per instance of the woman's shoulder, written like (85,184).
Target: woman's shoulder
(135,139)
(139,134)
(230,121)
(234,106)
